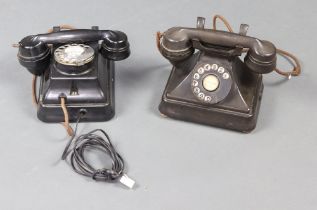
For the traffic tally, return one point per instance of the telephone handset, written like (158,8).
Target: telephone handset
(209,83)
(77,68)
(179,43)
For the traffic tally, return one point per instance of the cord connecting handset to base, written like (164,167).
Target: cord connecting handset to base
(75,150)
(296,64)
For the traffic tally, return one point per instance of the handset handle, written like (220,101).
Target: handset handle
(34,52)
(176,45)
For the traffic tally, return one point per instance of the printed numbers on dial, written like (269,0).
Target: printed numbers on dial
(201,70)
(207,80)
(196,76)
(214,67)
(207,67)
(221,70)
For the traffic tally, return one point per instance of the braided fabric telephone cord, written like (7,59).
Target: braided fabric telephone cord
(297,67)
(295,62)
(35,99)
(63,106)
(68,128)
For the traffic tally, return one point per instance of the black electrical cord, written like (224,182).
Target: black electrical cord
(75,150)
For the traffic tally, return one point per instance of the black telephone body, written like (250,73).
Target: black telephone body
(77,65)
(209,83)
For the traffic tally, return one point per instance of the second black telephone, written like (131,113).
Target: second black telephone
(209,83)
(76,66)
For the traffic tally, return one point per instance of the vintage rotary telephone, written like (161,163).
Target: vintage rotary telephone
(76,67)
(209,83)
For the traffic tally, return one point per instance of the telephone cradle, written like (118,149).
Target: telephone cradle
(209,83)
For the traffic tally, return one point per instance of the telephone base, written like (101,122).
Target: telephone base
(92,93)
(233,120)
(54,114)
(237,112)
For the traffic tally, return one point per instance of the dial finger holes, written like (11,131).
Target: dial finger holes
(207,67)
(225,76)
(207,99)
(196,76)
(214,67)
(195,83)
(196,90)
(201,95)
(221,70)
(201,70)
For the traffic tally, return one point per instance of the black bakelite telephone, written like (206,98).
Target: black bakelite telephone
(209,83)
(77,84)
(76,66)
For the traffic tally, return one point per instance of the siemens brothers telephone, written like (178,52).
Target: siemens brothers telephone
(209,83)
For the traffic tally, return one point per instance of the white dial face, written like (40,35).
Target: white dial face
(74,54)
(211,82)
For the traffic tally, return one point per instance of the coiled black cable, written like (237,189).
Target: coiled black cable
(75,150)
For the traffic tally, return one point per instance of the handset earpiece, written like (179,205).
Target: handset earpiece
(176,45)
(261,58)
(115,46)
(34,55)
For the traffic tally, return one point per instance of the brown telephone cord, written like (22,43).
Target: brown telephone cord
(62,27)
(158,40)
(297,67)
(227,24)
(34,97)
(68,128)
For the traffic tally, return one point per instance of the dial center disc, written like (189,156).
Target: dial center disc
(211,82)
